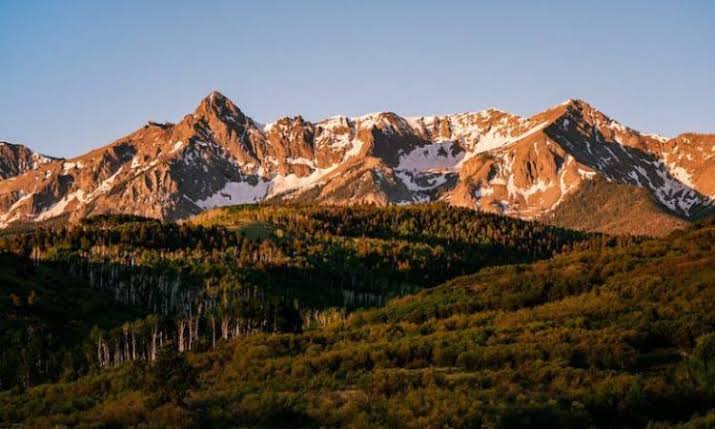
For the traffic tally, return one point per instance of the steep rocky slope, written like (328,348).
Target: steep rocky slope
(613,208)
(490,160)
(16,159)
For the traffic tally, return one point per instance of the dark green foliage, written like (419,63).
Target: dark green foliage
(170,378)
(614,208)
(270,269)
(614,333)
(702,363)
(45,316)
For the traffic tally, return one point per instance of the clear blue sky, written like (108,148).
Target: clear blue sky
(78,74)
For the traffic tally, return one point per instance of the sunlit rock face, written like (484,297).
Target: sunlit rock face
(490,160)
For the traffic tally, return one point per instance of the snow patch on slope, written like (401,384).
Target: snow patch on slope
(235,193)
(410,180)
(431,156)
(290,182)
(60,206)
(497,138)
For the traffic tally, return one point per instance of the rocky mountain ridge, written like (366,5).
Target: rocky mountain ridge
(16,159)
(489,160)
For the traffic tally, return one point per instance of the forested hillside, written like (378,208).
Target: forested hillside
(231,273)
(614,208)
(46,316)
(613,334)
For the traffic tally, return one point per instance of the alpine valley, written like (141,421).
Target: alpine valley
(551,167)
(473,270)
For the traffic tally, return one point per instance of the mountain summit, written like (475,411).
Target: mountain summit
(16,159)
(489,160)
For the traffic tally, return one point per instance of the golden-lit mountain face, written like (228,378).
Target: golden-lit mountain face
(16,159)
(491,161)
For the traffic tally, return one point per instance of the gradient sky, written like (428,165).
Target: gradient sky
(75,75)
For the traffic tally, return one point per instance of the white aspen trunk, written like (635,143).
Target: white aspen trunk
(126,343)
(134,346)
(152,353)
(180,335)
(213,331)
(197,319)
(196,325)
(191,333)
(224,327)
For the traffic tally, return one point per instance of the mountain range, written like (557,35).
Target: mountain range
(570,165)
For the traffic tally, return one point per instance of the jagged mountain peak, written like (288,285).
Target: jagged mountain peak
(576,122)
(218,112)
(572,107)
(216,97)
(217,105)
(493,110)
(386,121)
(578,103)
(284,121)
(19,146)
(489,160)
(16,159)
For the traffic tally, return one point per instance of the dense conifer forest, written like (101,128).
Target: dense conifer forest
(420,316)
(235,272)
